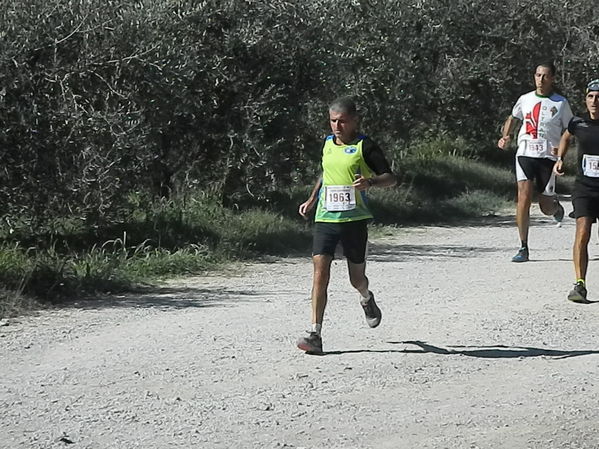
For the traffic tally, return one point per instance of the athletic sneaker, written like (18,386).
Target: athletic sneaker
(521,256)
(558,216)
(312,344)
(372,312)
(578,293)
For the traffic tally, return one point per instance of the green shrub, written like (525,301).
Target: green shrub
(159,263)
(102,100)
(195,233)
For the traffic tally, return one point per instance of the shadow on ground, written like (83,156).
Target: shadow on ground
(169,298)
(382,252)
(491,221)
(485,352)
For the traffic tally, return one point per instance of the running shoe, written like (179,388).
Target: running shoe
(521,256)
(372,312)
(578,293)
(312,344)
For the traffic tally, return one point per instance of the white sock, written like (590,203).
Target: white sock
(366,298)
(316,327)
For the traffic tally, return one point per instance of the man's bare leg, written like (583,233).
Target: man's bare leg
(580,257)
(525,189)
(580,251)
(548,204)
(523,218)
(358,279)
(320,284)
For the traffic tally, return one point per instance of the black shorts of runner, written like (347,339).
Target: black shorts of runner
(538,169)
(586,206)
(353,236)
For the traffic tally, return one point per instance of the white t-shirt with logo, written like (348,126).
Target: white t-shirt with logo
(544,119)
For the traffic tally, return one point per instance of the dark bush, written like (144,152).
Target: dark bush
(101,100)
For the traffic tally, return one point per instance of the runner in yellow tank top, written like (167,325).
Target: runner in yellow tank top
(352,163)
(340,165)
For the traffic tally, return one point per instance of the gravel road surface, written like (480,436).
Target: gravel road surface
(473,351)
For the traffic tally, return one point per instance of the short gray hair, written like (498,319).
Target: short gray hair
(346,105)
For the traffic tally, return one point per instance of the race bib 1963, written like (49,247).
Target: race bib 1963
(535,148)
(340,198)
(590,165)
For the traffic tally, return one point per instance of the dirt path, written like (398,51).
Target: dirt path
(473,352)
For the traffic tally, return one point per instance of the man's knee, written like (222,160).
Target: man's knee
(583,233)
(357,275)
(524,191)
(548,204)
(322,266)
(322,272)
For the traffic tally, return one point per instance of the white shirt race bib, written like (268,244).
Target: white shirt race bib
(590,165)
(340,198)
(535,148)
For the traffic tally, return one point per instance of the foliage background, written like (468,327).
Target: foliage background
(158,137)
(104,100)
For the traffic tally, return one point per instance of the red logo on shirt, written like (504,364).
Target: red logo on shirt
(532,121)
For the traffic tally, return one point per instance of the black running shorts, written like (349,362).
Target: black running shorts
(538,169)
(353,236)
(586,206)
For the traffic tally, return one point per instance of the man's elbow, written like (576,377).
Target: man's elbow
(392,180)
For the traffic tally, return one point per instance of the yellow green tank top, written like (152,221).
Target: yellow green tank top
(338,202)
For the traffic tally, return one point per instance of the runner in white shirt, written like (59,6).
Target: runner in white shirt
(545,116)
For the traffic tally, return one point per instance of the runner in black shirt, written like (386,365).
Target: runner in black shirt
(586,188)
